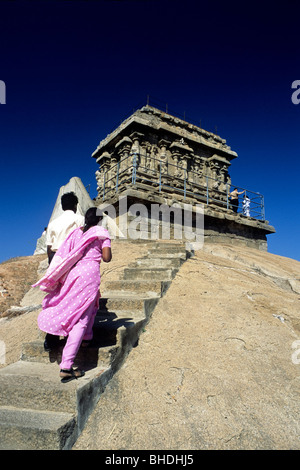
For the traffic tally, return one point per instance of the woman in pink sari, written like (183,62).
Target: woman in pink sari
(72,282)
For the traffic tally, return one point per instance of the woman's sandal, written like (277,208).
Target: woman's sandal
(70,374)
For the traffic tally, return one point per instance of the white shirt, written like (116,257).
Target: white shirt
(61,227)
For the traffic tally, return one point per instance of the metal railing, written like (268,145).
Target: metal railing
(167,177)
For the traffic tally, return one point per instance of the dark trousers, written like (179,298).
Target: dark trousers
(50,255)
(235,205)
(51,341)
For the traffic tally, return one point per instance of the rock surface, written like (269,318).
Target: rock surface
(214,368)
(16,277)
(217,366)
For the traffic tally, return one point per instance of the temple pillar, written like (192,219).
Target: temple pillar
(123,150)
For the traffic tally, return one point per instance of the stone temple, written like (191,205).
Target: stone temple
(160,164)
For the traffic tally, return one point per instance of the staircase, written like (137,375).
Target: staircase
(39,412)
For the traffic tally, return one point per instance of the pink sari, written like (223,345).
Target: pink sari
(72,281)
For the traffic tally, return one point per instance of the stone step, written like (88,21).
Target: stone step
(164,253)
(128,332)
(137,305)
(87,357)
(131,287)
(33,392)
(25,429)
(171,249)
(121,294)
(172,244)
(108,333)
(166,247)
(37,386)
(158,262)
(158,274)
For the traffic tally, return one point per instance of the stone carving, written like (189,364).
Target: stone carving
(163,163)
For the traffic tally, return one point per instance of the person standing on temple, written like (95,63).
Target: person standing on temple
(234,199)
(246,206)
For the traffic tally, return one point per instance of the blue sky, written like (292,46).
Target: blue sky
(74,69)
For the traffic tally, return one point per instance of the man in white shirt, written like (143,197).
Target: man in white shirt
(62,226)
(57,232)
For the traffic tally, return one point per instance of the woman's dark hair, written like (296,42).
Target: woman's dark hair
(92,217)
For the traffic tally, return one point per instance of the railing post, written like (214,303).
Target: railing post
(159,175)
(134,169)
(227,196)
(117,182)
(104,186)
(207,194)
